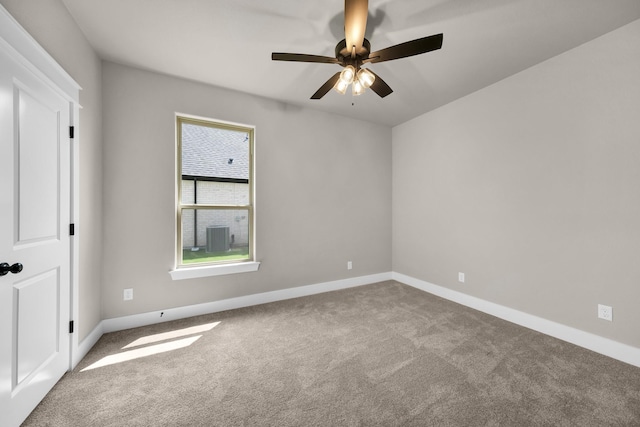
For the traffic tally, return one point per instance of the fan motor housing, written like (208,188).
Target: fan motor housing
(343,54)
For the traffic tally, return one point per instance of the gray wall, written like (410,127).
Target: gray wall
(531,188)
(51,25)
(323,188)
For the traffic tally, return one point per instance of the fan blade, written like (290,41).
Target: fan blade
(403,50)
(380,87)
(355,23)
(326,87)
(301,57)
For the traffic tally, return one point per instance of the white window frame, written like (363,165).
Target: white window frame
(196,270)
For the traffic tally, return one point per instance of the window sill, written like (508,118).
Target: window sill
(213,270)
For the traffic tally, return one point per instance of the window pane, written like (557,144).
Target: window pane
(222,193)
(212,235)
(218,159)
(188,191)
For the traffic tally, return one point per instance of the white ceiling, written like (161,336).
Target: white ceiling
(228,43)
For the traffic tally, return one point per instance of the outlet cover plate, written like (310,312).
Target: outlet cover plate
(605,312)
(128,294)
(461,277)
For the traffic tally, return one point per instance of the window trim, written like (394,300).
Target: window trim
(204,269)
(194,272)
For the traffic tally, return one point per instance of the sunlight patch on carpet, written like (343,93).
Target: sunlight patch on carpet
(142,352)
(149,339)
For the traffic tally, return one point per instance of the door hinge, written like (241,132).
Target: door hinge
(72,229)
(71,327)
(71,131)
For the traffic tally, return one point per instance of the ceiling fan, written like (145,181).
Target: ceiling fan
(355,50)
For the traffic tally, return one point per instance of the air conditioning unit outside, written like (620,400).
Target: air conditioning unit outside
(217,238)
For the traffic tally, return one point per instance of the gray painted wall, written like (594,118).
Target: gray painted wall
(323,188)
(51,25)
(530,187)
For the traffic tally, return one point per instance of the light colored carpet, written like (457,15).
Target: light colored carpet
(383,354)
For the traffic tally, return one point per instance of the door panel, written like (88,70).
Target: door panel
(35,183)
(37,165)
(37,335)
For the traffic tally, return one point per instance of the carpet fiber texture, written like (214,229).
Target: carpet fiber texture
(384,354)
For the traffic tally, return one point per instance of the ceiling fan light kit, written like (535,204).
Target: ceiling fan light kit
(348,74)
(360,80)
(366,77)
(354,51)
(340,87)
(357,88)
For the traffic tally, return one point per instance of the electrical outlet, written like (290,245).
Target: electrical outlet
(461,277)
(128,294)
(605,312)
(349,265)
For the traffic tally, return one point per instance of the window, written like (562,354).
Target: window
(215,193)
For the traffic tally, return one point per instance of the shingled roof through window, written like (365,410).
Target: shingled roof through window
(214,153)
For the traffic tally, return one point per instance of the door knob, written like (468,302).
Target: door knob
(6,268)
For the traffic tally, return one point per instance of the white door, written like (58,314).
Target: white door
(34,232)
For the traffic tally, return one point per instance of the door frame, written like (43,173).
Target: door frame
(20,45)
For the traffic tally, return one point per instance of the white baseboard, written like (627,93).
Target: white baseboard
(137,320)
(87,344)
(605,346)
